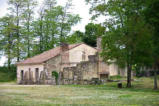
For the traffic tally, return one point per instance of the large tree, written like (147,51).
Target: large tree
(92,31)
(16,9)
(28,17)
(128,40)
(7,33)
(66,20)
(53,26)
(76,37)
(152,17)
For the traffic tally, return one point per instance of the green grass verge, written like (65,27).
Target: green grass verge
(141,94)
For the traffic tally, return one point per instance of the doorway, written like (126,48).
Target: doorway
(22,75)
(37,74)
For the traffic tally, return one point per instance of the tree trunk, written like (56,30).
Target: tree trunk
(129,69)
(9,48)
(18,38)
(155,79)
(9,51)
(41,35)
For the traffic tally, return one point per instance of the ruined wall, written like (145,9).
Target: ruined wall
(69,58)
(81,53)
(103,67)
(85,71)
(114,69)
(30,76)
(53,64)
(26,69)
(82,73)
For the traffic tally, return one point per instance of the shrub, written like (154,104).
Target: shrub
(56,75)
(7,75)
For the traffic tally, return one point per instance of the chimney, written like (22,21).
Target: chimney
(64,46)
(99,40)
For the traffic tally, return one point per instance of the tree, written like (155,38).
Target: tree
(28,17)
(16,8)
(92,31)
(66,20)
(128,40)
(53,25)
(7,33)
(51,14)
(152,18)
(76,37)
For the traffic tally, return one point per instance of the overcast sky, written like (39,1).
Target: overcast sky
(79,7)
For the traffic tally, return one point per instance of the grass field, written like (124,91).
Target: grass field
(141,94)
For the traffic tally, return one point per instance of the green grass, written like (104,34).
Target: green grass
(141,94)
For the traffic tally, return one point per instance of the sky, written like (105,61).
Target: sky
(79,7)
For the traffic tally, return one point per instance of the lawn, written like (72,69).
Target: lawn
(141,94)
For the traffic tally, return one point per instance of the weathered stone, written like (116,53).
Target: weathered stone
(74,66)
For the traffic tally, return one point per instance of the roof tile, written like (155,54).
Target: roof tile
(46,55)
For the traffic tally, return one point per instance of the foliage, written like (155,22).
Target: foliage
(56,75)
(128,40)
(27,31)
(7,35)
(23,35)
(92,31)
(76,37)
(152,18)
(16,10)
(53,26)
(7,75)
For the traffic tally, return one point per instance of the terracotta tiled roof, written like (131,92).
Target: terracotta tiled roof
(46,55)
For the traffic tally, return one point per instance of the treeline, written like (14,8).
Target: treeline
(24,34)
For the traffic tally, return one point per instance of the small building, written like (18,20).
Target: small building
(75,64)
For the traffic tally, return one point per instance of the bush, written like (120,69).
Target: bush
(56,75)
(7,75)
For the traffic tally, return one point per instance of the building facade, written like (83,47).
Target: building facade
(75,64)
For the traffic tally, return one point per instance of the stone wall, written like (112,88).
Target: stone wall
(81,53)
(76,66)
(83,73)
(43,78)
(28,70)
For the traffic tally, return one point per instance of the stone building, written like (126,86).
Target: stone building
(75,64)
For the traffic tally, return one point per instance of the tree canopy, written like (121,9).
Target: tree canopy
(128,39)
